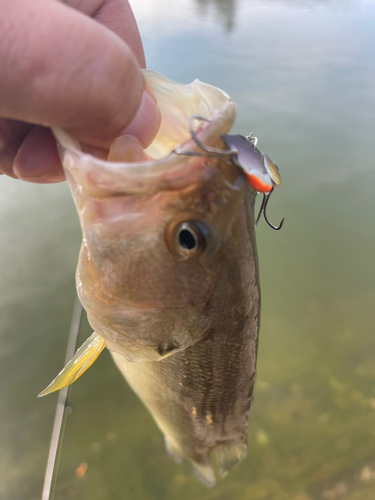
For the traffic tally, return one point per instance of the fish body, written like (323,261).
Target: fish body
(200,396)
(168,275)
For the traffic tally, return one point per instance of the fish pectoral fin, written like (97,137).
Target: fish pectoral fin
(228,455)
(80,362)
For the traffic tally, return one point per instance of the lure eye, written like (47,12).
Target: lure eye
(188,239)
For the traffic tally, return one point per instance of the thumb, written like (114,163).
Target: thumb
(61,68)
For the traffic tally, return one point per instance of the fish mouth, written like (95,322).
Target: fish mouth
(177,104)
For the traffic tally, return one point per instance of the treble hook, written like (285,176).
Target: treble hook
(263,207)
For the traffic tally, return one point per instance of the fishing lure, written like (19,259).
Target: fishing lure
(261,173)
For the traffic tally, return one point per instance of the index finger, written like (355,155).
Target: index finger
(117,16)
(62,69)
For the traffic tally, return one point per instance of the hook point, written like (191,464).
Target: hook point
(263,207)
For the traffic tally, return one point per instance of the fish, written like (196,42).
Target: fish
(168,271)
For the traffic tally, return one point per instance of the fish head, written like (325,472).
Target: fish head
(168,244)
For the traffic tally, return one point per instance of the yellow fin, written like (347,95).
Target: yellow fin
(83,359)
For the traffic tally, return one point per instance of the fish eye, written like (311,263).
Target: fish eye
(189,239)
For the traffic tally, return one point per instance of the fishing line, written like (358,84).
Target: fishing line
(62,409)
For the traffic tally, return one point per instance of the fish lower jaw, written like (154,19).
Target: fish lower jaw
(148,335)
(131,349)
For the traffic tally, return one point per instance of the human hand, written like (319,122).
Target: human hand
(73,64)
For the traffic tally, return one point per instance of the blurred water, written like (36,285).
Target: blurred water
(302,74)
(38,250)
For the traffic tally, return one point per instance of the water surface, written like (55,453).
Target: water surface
(302,74)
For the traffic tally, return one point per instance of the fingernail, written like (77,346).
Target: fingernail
(146,122)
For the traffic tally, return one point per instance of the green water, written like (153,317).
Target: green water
(303,76)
